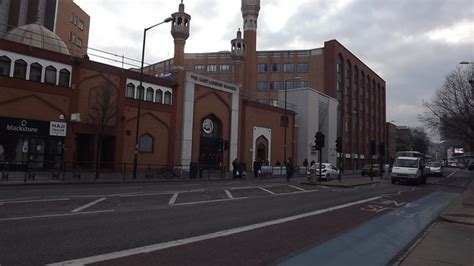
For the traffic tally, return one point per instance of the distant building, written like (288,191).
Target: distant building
(63,17)
(391,142)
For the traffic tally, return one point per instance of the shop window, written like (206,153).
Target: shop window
(5,64)
(141,92)
(130,91)
(261,85)
(50,75)
(159,96)
(149,94)
(35,72)
(168,98)
(19,70)
(146,143)
(64,76)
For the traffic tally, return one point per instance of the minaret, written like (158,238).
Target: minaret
(250,9)
(180,32)
(238,54)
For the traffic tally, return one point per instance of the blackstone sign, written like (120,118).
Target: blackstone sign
(31,127)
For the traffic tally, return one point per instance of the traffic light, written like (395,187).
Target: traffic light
(339,144)
(382,148)
(319,140)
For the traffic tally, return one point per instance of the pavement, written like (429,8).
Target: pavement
(450,239)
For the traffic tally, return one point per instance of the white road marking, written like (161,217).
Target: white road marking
(32,201)
(228,194)
(160,246)
(207,201)
(298,188)
(452,173)
(83,207)
(398,193)
(266,190)
(296,192)
(173,199)
(158,193)
(52,215)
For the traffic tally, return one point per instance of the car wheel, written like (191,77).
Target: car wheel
(328,177)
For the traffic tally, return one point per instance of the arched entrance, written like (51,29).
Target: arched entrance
(261,145)
(211,140)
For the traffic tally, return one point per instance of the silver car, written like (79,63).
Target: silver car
(436,168)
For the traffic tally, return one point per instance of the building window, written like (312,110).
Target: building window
(141,92)
(288,68)
(159,96)
(302,84)
(276,68)
(261,68)
(211,68)
(80,25)
(146,143)
(64,76)
(199,68)
(167,98)
(302,67)
(19,70)
(289,84)
(275,85)
(50,75)
(72,18)
(5,63)
(79,42)
(261,85)
(35,72)
(224,68)
(149,95)
(130,91)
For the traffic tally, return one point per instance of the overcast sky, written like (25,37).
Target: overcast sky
(411,44)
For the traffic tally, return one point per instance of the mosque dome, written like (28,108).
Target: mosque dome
(38,36)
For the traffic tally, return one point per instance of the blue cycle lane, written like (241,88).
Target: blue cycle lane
(377,241)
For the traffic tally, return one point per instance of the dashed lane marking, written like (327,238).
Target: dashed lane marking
(229,194)
(206,201)
(32,201)
(160,246)
(173,199)
(83,207)
(53,215)
(298,188)
(266,190)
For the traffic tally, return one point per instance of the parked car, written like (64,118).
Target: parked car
(328,171)
(471,166)
(366,170)
(436,168)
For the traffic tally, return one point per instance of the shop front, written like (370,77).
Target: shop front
(31,143)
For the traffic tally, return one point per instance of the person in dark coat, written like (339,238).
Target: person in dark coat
(235,168)
(305,163)
(289,170)
(256,167)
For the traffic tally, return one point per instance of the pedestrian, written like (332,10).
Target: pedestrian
(235,168)
(305,163)
(256,167)
(278,163)
(289,170)
(312,162)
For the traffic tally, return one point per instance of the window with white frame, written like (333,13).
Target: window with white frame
(167,98)
(149,94)
(5,64)
(159,96)
(211,68)
(35,72)
(130,91)
(64,76)
(50,75)
(224,68)
(199,68)
(19,70)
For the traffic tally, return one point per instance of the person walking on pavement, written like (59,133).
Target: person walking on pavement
(235,168)
(289,170)
(256,167)
(305,163)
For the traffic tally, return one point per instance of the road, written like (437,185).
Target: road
(250,222)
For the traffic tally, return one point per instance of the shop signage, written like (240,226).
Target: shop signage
(29,127)
(57,129)
(213,82)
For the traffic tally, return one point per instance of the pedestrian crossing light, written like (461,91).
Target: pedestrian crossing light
(319,140)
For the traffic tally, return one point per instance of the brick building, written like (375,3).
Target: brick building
(63,17)
(332,70)
(51,102)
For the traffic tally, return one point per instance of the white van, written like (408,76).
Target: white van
(408,169)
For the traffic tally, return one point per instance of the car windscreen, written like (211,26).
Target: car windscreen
(435,164)
(405,163)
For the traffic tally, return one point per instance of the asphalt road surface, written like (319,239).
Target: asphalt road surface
(223,223)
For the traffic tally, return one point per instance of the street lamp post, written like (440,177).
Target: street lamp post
(285,122)
(139,89)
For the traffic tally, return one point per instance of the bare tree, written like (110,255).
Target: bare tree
(419,140)
(451,111)
(102,109)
